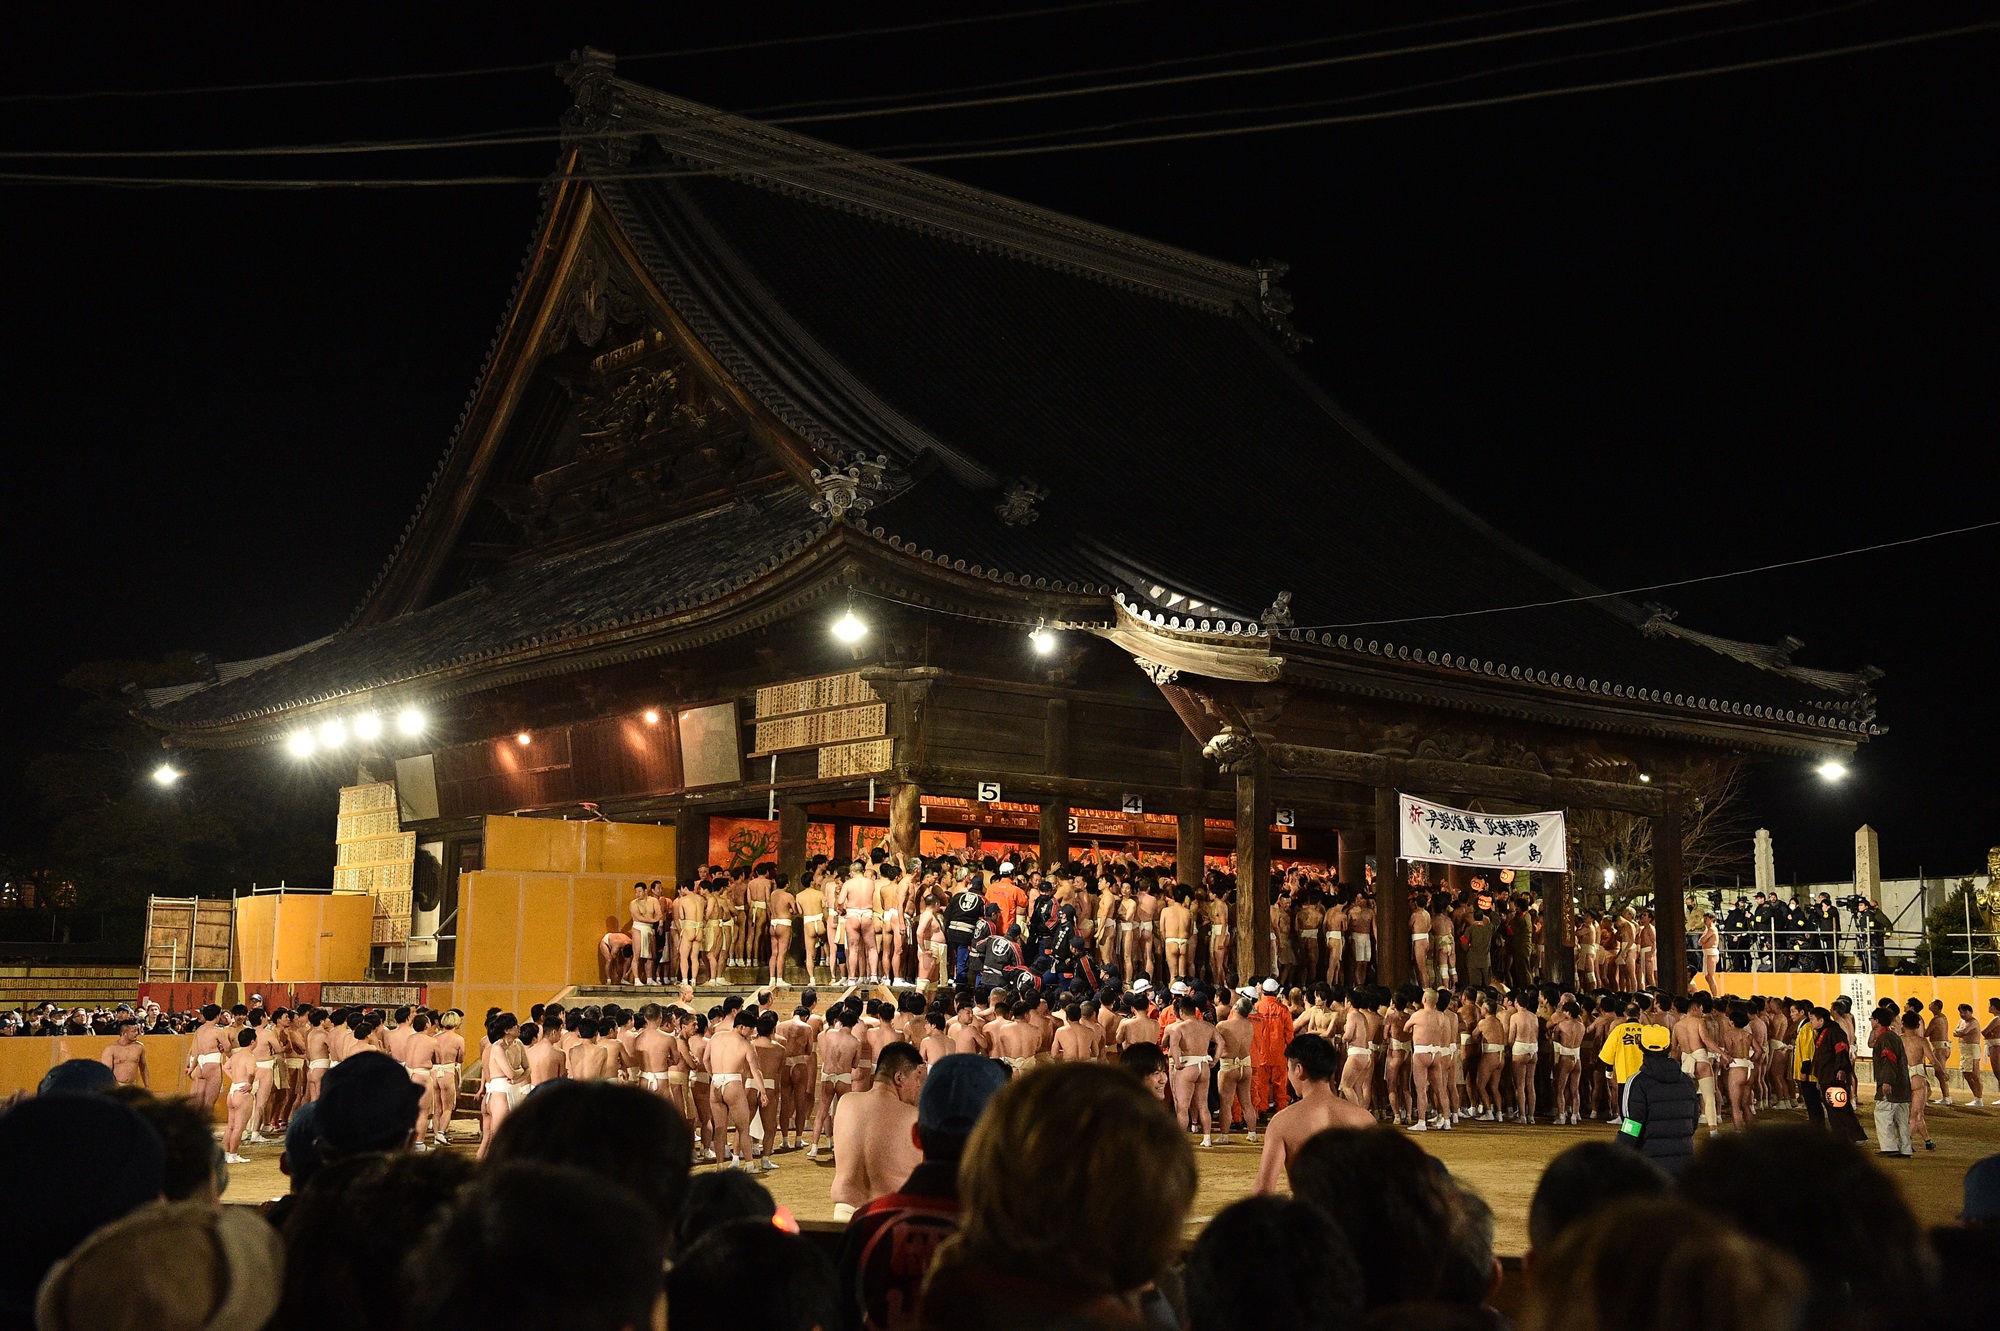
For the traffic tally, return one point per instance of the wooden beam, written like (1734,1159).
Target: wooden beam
(1558,928)
(1508,783)
(1392,895)
(1054,842)
(1353,856)
(1669,905)
(1077,790)
(690,843)
(1253,868)
(792,824)
(905,817)
(1190,846)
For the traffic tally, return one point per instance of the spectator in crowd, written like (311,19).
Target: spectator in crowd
(1396,1205)
(77,1076)
(367,1103)
(349,1232)
(1662,1265)
(1892,1083)
(1968,1252)
(621,1134)
(489,1264)
(1110,1194)
(721,1197)
(1661,1107)
(169,1266)
(1830,1209)
(194,1168)
(1268,1262)
(877,1276)
(70,1164)
(1581,1181)
(707,1288)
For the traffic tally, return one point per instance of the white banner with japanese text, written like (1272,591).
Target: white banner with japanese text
(1435,834)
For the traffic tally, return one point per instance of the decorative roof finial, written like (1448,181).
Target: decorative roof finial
(1278,614)
(850,489)
(1017,502)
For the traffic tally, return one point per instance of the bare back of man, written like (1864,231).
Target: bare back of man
(1318,1108)
(874,1138)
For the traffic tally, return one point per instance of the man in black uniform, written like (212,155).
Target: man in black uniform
(1764,932)
(1736,926)
(962,916)
(1826,927)
(997,954)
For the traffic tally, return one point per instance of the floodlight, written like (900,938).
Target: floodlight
(301,743)
(165,775)
(523,738)
(410,721)
(333,734)
(368,725)
(1043,640)
(1610,875)
(652,717)
(849,629)
(1832,771)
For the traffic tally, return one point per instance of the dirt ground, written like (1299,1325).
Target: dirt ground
(1502,1161)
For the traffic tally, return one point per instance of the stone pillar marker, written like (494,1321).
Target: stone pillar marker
(1767,863)
(1867,865)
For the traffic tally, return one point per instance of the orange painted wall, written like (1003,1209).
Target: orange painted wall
(1823,989)
(25,1060)
(303,937)
(554,845)
(523,937)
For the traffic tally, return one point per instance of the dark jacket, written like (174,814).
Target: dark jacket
(1662,1099)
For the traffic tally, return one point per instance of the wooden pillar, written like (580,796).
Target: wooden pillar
(1558,928)
(1253,867)
(843,844)
(690,843)
(1190,846)
(1054,845)
(1669,906)
(905,817)
(792,822)
(1392,895)
(1353,857)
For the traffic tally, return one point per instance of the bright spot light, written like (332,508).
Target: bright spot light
(165,775)
(368,725)
(301,743)
(652,717)
(1610,875)
(849,629)
(1832,771)
(522,738)
(1044,641)
(410,721)
(1645,779)
(333,733)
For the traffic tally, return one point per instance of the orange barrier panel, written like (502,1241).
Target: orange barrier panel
(523,937)
(555,845)
(25,1060)
(1863,989)
(303,937)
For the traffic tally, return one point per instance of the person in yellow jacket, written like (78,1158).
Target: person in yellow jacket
(1802,1063)
(1622,1052)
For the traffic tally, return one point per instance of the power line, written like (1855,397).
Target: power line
(1285,67)
(1126,141)
(1572,57)
(1167,63)
(722,48)
(1661,586)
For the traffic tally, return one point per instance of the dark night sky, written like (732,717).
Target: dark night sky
(1656,332)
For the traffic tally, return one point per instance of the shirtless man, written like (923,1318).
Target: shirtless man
(1073,1043)
(240,1069)
(1741,1055)
(1444,942)
(1420,940)
(936,1044)
(1566,1041)
(734,895)
(757,891)
(1649,952)
(1938,1032)
(1524,1036)
(767,1082)
(967,1035)
(1969,1048)
(1698,1051)
(838,1049)
(731,1064)
(1145,922)
(1432,1048)
(1585,943)
(874,1133)
(1711,952)
(420,1049)
(319,1051)
(1333,932)
(1396,1071)
(691,924)
(797,1034)
(1235,1036)
(1309,1062)
(783,907)
(932,949)
(268,1049)
(126,1056)
(645,910)
(447,1067)
(812,925)
(1176,931)
(1361,938)
(1139,1027)
(654,1048)
(1190,1050)
(1364,1025)
(206,1051)
(1990,1033)
(889,932)
(1626,934)
(1016,1041)
(590,1058)
(857,909)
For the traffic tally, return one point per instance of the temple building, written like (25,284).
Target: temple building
(807,502)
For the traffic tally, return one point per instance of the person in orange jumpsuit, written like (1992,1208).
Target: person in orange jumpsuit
(1273,1020)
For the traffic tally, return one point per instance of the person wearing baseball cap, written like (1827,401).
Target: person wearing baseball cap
(923,1213)
(368,1103)
(1660,1105)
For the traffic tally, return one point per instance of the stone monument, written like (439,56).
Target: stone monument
(1867,865)
(1767,864)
